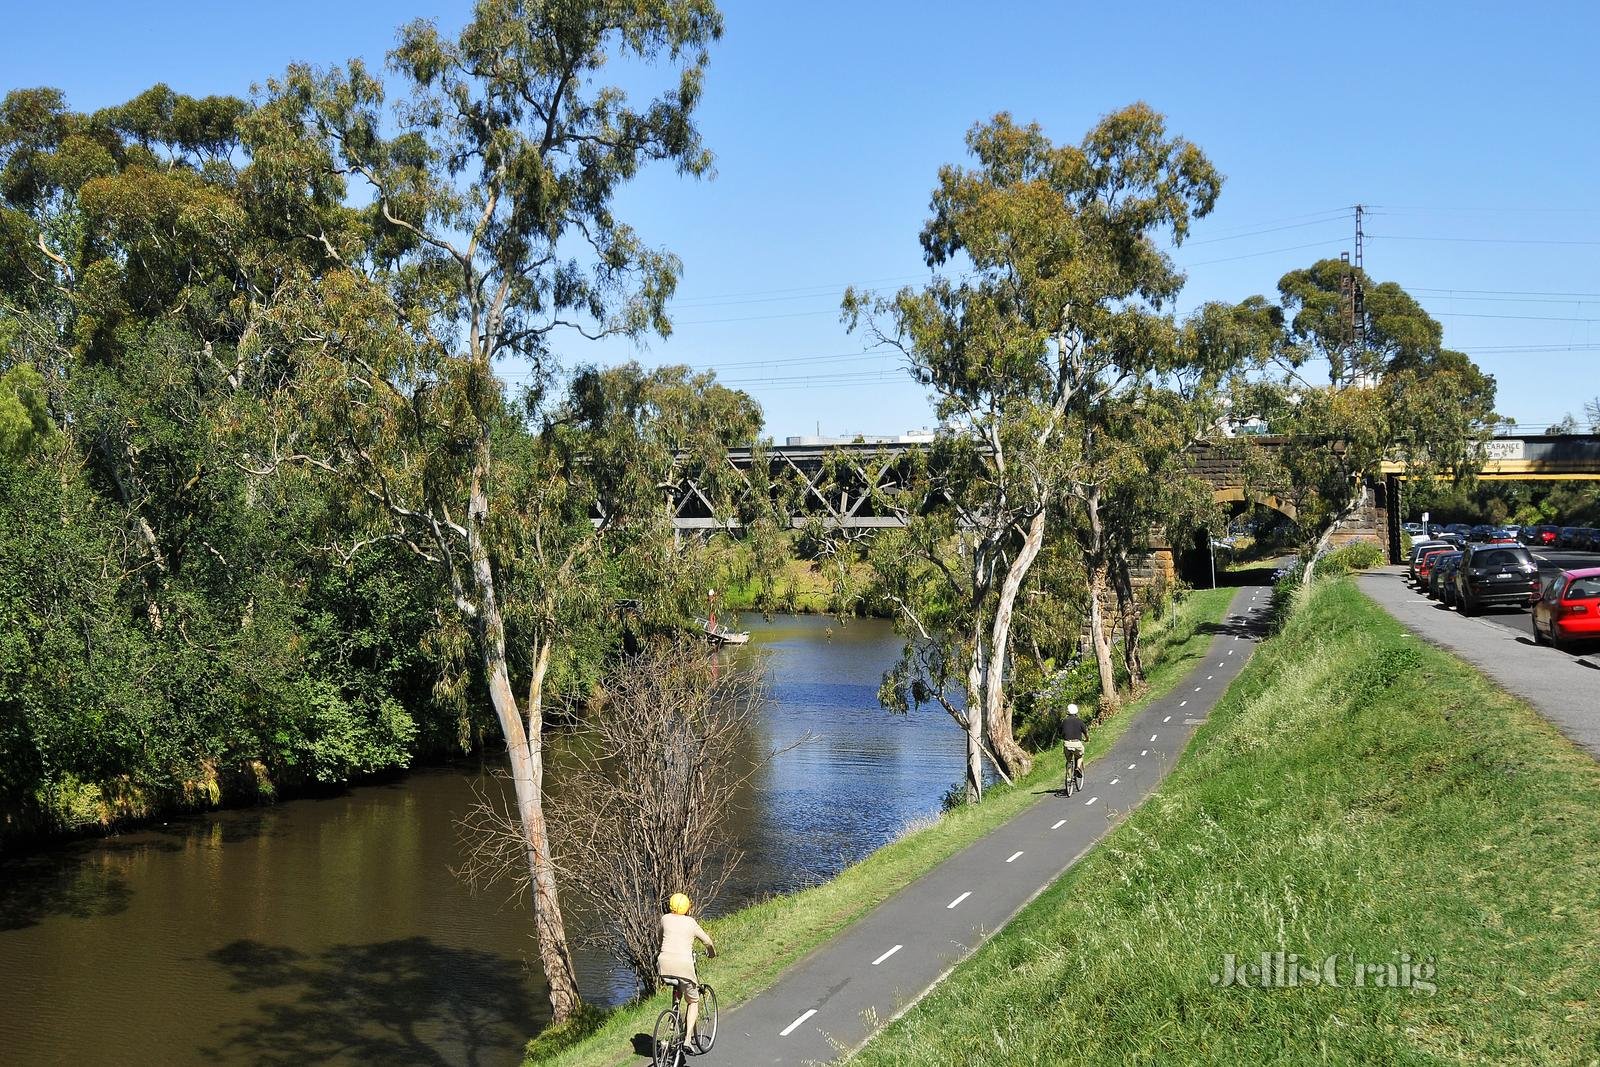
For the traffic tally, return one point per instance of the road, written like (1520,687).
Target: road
(1563,687)
(836,998)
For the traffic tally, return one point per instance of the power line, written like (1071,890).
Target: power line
(1271,229)
(1501,210)
(830,286)
(1523,318)
(1497,292)
(1477,240)
(1496,350)
(1514,299)
(1266,252)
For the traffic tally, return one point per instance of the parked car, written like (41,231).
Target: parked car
(1514,532)
(1568,609)
(1417,549)
(1479,533)
(1439,574)
(1492,575)
(1502,536)
(1542,536)
(1568,537)
(1425,564)
(1446,572)
(1413,528)
(1589,538)
(1460,529)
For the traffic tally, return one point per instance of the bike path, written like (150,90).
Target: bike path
(832,1001)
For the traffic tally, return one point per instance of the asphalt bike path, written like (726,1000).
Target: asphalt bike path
(832,1001)
(1564,689)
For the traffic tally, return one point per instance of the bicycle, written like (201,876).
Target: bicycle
(670,1044)
(1074,769)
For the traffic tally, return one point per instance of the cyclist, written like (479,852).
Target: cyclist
(1074,734)
(679,932)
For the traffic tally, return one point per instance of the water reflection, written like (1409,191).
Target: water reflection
(332,930)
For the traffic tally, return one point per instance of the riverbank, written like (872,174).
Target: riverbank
(761,941)
(1357,799)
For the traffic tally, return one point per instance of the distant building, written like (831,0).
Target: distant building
(910,437)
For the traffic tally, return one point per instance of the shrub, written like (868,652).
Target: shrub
(1355,556)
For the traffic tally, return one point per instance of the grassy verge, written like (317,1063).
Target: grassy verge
(1355,795)
(761,941)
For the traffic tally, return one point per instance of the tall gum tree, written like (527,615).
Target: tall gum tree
(1394,391)
(1061,304)
(471,222)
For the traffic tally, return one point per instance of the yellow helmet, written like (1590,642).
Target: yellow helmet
(679,904)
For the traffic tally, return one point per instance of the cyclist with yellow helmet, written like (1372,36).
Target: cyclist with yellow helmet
(679,932)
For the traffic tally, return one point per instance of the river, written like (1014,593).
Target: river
(332,930)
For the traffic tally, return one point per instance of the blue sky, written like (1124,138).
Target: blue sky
(1469,128)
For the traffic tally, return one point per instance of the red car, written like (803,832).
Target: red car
(1426,561)
(1568,609)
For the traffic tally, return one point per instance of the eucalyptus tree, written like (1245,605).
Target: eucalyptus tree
(1395,391)
(1062,304)
(471,223)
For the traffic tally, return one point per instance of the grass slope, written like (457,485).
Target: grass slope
(1354,793)
(759,942)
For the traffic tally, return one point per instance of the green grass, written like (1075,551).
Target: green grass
(1355,793)
(759,942)
(802,587)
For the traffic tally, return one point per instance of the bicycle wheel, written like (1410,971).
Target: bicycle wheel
(664,1045)
(705,1025)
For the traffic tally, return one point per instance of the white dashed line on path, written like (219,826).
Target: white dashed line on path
(792,1027)
(1014,855)
(1169,717)
(1197,689)
(1057,826)
(1144,752)
(1091,800)
(1114,781)
(886,955)
(1181,704)
(1131,766)
(1152,737)
(1208,678)
(958,900)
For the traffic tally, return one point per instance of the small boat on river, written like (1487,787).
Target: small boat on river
(721,634)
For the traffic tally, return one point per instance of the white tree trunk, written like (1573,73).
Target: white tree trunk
(1012,757)
(524,747)
(975,725)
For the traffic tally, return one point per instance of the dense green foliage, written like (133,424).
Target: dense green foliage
(1354,794)
(237,405)
(1497,502)
(1395,392)
(171,631)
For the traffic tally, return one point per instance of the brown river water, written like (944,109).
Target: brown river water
(333,931)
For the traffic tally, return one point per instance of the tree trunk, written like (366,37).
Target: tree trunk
(1321,546)
(1100,640)
(975,725)
(1013,758)
(1095,571)
(524,746)
(1128,611)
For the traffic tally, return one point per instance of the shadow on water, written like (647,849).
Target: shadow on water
(410,1000)
(72,884)
(90,878)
